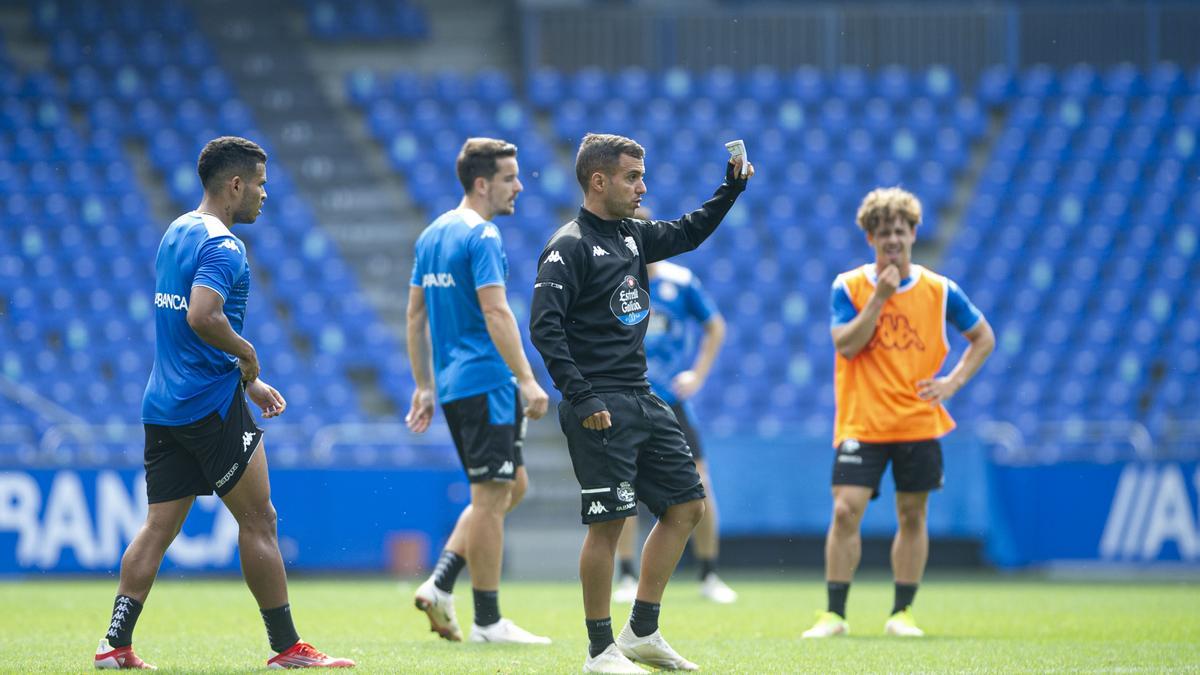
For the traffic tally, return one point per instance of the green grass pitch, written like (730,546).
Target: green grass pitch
(974,624)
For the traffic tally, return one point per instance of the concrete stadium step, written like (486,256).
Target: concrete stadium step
(342,174)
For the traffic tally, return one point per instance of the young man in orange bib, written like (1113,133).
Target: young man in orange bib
(889,329)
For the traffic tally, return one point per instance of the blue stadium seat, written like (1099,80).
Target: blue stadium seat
(676,84)
(939,83)
(492,86)
(763,84)
(894,83)
(1040,81)
(544,88)
(808,85)
(589,85)
(1123,80)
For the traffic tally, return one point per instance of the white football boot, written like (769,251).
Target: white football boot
(438,605)
(611,660)
(507,632)
(626,590)
(652,650)
(716,590)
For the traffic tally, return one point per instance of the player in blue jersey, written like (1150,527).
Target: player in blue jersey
(200,434)
(677,364)
(458,294)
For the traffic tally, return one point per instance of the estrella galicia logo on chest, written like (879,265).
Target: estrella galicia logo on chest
(630,303)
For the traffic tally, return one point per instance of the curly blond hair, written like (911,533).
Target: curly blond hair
(881,205)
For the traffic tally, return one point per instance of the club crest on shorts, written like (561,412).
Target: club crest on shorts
(849,445)
(630,303)
(625,492)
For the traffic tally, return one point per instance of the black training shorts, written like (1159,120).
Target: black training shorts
(916,465)
(642,456)
(202,457)
(489,432)
(681,410)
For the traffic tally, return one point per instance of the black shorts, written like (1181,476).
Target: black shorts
(202,457)
(916,465)
(681,410)
(642,456)
(489,432)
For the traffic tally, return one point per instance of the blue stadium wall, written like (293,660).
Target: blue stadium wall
(79,521)
(1129,514)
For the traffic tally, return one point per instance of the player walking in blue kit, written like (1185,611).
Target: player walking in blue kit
(200,435)
(677,365)
(457,298)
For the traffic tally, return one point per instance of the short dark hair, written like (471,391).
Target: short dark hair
(602,152)
(477,159)
(228,156)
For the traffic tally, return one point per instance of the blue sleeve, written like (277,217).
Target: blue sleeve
(700,303)
(841,310)
(416,273)
(220,263)
(489,266)
(959,311)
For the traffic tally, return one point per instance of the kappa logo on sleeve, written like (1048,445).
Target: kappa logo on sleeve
(228,243)
(554,257)
(596,251)
(490,232)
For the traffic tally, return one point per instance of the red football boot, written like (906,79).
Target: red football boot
(110,658)
(304,655)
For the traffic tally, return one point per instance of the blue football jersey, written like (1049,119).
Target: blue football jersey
(679,309)
(458,254)
(192,379)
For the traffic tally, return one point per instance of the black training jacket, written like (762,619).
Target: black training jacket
(588,315)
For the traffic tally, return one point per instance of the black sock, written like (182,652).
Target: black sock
(445,573)
(487,607)
(599,634)
(281,632)
(626,567)
(707,567)
(904,596)
(644,619)
(124,618)
(838,590)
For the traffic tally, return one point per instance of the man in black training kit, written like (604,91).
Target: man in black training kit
(588,321)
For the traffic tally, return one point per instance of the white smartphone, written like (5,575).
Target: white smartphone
(738,149)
